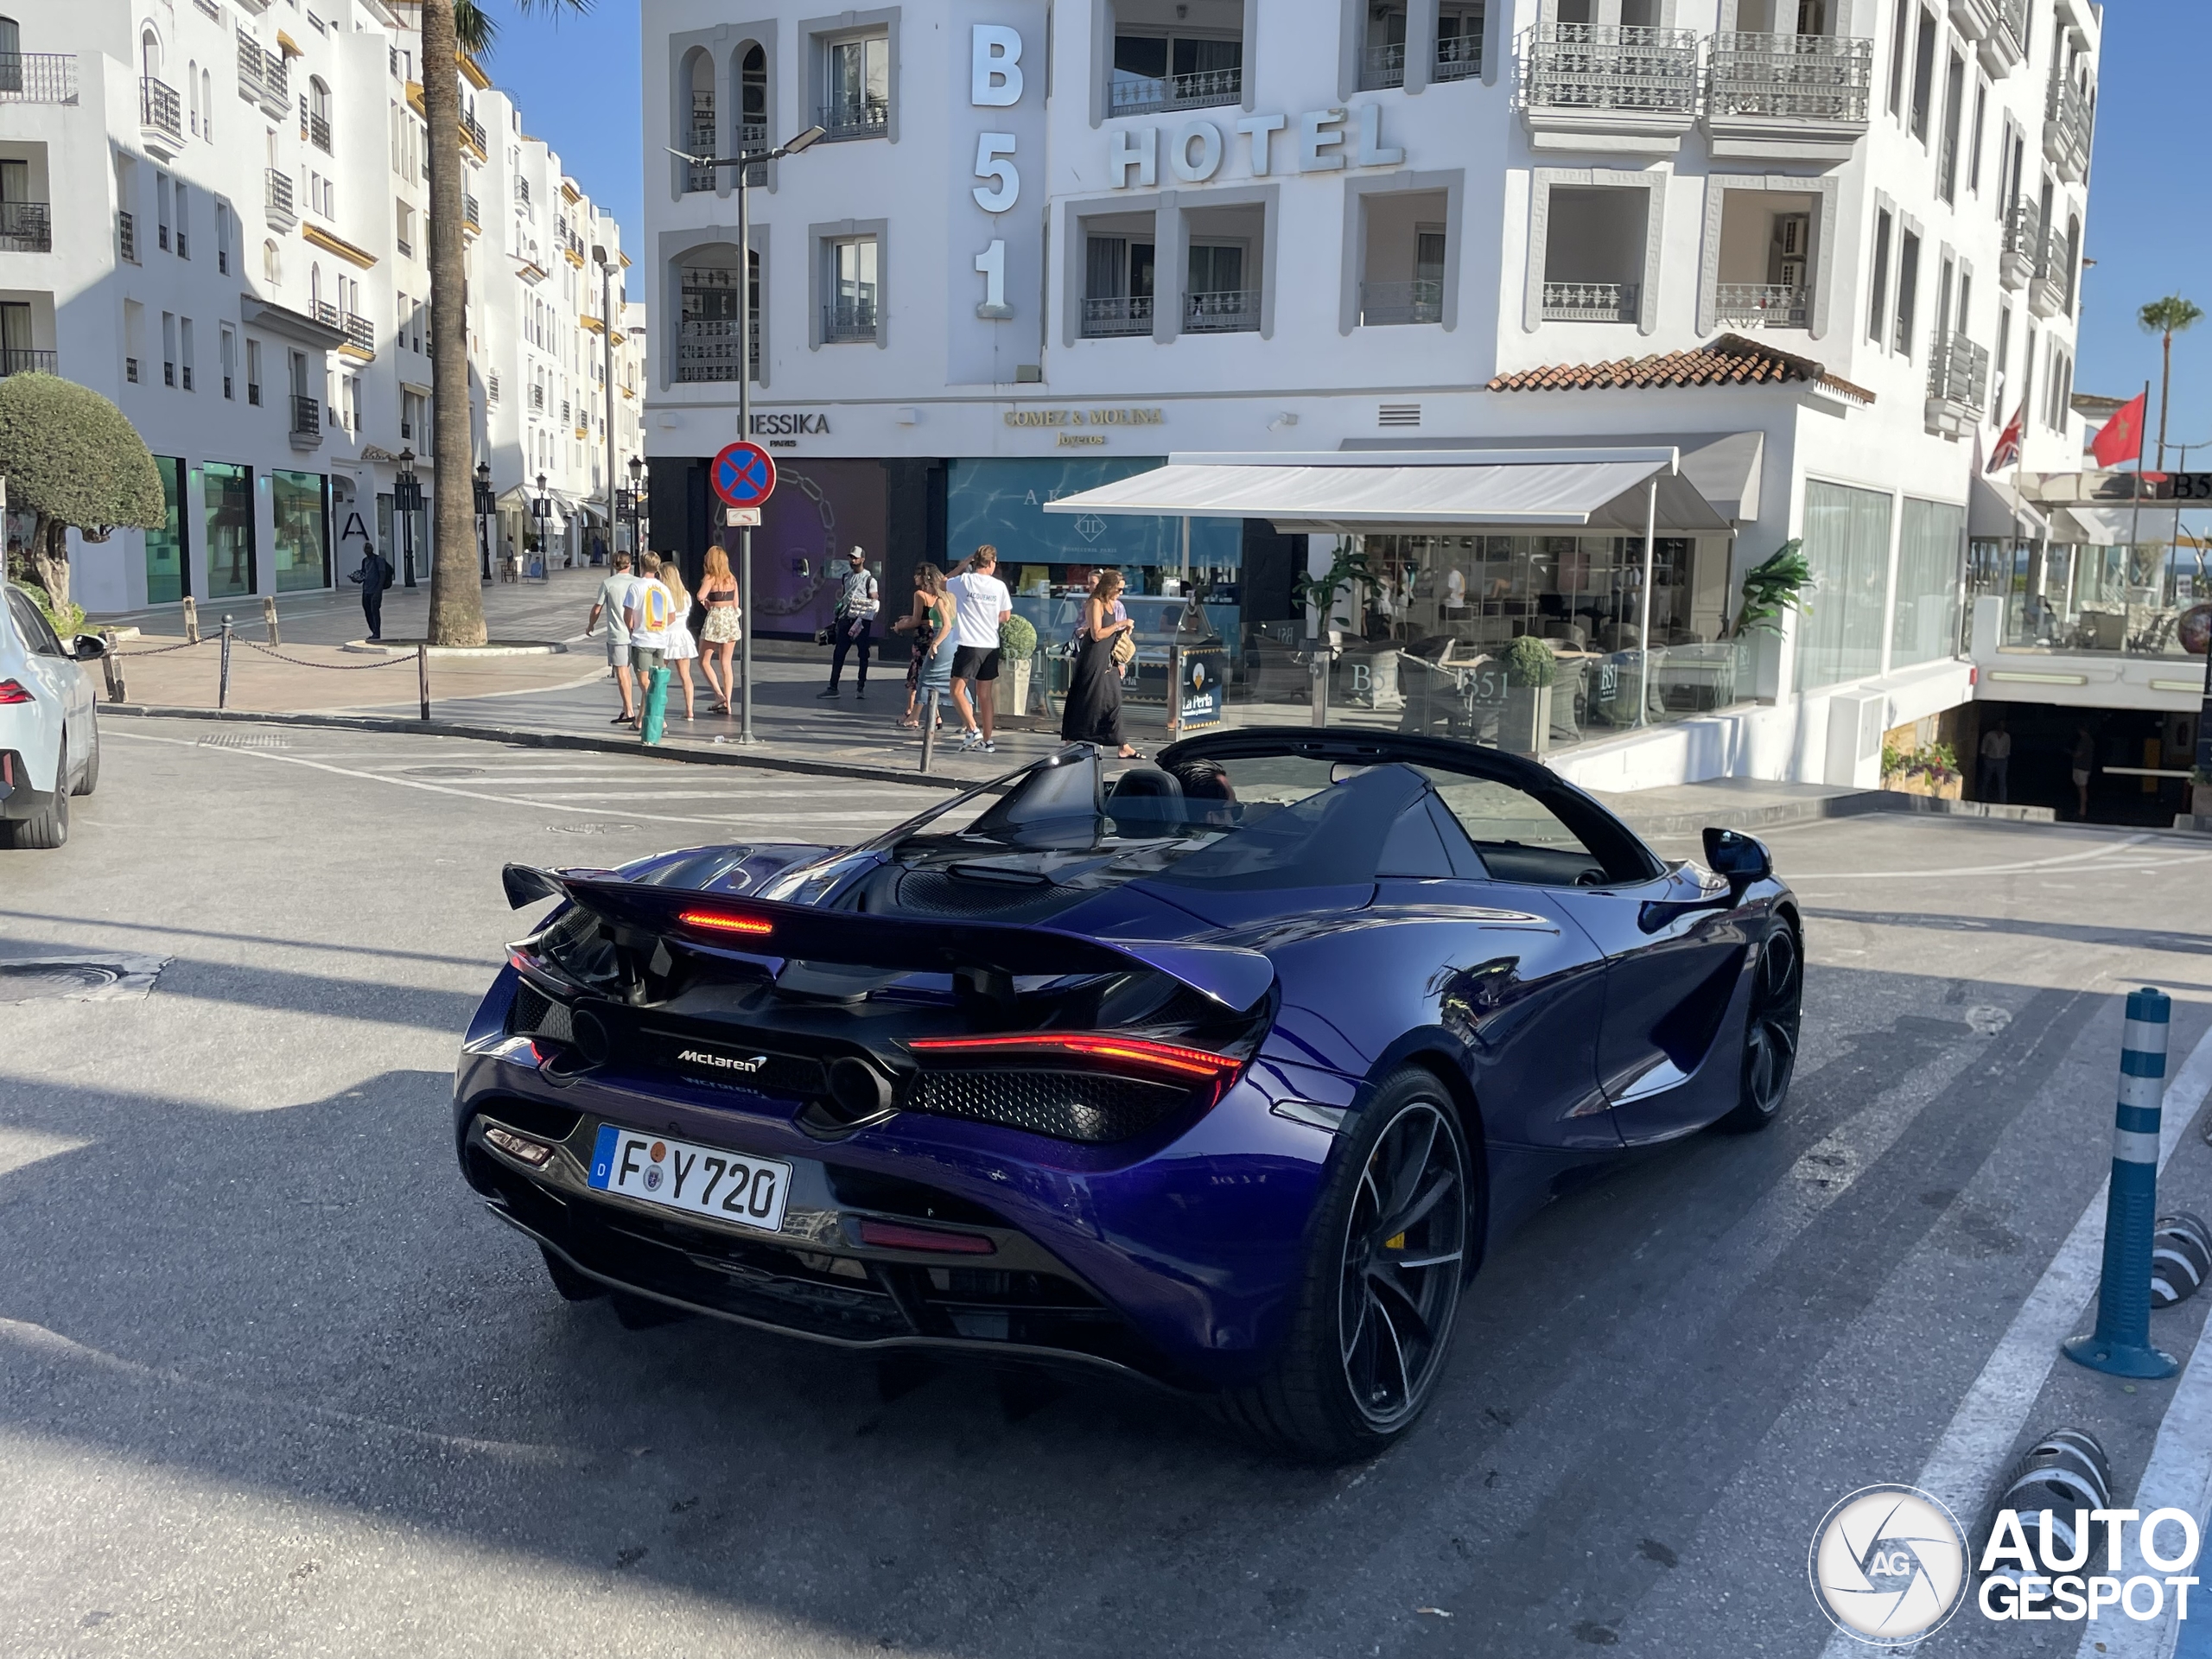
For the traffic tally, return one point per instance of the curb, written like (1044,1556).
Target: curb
(458,653)
(1863,803)
(523,737)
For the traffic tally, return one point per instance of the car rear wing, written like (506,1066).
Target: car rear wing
(770,930)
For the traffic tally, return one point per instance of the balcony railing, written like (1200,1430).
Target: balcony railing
(317,132)
(1613,66)
(1769,305)
(848,320)
(1116,315)
(752,136)
(307,416)
(277,199)
(1387,304)
(1230,311)
(472,217)
(472,130)
(1591,302)
(1148,94)
(17,359)
(159,115)
(538,400)
(855,118)
(2006,44)
(26,226)
(706,348)
(2066,130)
(126,235)
(1458,57)
(38,77)
(2023,245)
(2048,289)
(522,190)
(1958,372)
(1798,77)
(1381,66)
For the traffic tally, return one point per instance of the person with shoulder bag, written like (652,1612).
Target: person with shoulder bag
(857,604)
(1105,642)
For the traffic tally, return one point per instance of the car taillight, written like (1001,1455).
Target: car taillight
(14,691)
(723,921)
(1128,1055)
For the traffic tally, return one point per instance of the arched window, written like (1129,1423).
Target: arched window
(318,113)
(273,265)
(192,94)
(207,106)
(699,132)
(11,56)
(150,56)
(2073,260)
(314,288)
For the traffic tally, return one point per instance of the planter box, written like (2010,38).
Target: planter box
(1526,726)
(1014,686)
(1919,783)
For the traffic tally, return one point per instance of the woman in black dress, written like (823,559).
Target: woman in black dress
(1093,711)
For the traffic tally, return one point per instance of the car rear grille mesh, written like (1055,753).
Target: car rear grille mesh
(932,892)
(1067,1106)
(536,1014)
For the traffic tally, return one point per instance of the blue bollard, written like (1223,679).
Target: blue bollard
(2121,1344)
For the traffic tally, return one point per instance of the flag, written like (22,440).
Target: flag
(2008,441)
(2121,437)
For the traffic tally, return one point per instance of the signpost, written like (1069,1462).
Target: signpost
(744,476)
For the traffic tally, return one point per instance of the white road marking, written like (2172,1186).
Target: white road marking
(2179,1476)
(1990,1417)
(1793,877)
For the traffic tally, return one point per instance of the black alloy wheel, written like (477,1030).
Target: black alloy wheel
(1771,1026)
(1404,1252)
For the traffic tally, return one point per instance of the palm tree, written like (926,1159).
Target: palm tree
(2166,318)
(457,596)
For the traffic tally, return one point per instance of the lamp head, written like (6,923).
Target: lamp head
(598,254)
(804,139)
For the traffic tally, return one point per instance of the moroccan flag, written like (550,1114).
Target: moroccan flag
(2008,441)
(2121,437)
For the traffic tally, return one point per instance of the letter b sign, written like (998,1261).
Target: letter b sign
(995,66)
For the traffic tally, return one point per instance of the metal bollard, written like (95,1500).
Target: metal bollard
(111,667)
(1174,692)
(422,679)
(269,617)
(191,620)
(222,683)
(2120,1345)
(929,728)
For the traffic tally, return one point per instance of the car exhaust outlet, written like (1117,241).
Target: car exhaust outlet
(536,1154)
(858,1088)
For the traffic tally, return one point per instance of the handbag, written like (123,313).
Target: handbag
(825,636)
(1125,648)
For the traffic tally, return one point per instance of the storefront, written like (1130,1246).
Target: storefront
(300,515)
(169,571)
(226,510)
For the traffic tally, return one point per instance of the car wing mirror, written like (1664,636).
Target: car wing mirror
(1742,858)
(88,648)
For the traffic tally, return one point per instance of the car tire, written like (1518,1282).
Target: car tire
(573,1286)
(1385,1265)
(91,779)
(49,828)
(1771,1027)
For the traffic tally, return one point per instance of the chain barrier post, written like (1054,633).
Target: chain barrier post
(223,684)
(269,616)
(191,620)
(111,667)
(422,679)
(2120,1345)
(929,728)
(1174,692)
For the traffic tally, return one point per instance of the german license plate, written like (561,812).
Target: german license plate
(708,1181)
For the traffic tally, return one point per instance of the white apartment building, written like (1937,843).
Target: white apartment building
(1821,249)
(215,214)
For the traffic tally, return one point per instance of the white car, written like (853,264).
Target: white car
(49,739)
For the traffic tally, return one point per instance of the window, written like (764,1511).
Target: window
(851,285)
(168,348)
(168,578)
(1931,541)
(1946,161)
(299,509)
(1458,43)
(1897,57)
(411,409)
(856,102)
(406,232)
(1216,299)
(1908,292)
(162,211)
(1973,154)
(1594,245)
(192,96)
(272,264)
(708,331)
(183,210)
(227,349)
(1383,61)
(1923,76)
(1847,544)
(226,498)
(207,106)
(253,371)
(700,135)
(315,114)
(1164,61)
(184,353)
(2004,348)
(223,237)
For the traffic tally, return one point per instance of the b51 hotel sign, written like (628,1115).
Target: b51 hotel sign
(995,322)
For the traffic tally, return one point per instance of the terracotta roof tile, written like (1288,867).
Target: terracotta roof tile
(1726,360)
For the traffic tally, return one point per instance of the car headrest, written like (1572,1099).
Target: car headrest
(1138,782)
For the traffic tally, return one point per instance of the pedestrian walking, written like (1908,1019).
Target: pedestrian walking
(981,603)
(374,576)
(613,603)
(718,592)
(645,614)
(1996,763)
(2084,757)
(935,679)
(922,622)
(1092,713)
(857,604)
(683,649)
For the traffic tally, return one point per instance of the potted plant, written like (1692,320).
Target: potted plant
(1933,772)
(1017,646)
(1529,670)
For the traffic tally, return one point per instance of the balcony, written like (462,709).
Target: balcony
(306,422)
(126,236)
(161,117)
(264,77)
(2047,289)
(2004,47)
(522,190)
(2022,247)
(26,227)
(38,77)
(471,134)
(1958,384)
(1385,305)
(1232,311)
(538,400)
(15,360)
(277,200)
(1458,57)
(472,217)
(847,321)
(1592,301)
(2066,130)
(1635,85)
(360,335)
(1788,97)
(1383,67)
(315,128)
(752,136)
(1763,305)
(852,117)
(1117,316)
(1204,90)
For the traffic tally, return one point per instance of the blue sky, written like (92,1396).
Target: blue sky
(2150,231)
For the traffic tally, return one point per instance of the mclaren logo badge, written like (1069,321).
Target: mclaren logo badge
(719,1062)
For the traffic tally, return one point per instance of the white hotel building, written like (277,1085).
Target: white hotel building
(214,212)
(1043,248)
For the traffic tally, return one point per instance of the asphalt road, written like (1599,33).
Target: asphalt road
(272,1384)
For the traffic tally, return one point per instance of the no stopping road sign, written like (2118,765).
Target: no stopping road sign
(744,476)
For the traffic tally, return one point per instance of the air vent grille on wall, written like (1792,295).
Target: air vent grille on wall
(1398,414)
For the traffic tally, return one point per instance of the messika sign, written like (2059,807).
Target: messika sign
(1317,141)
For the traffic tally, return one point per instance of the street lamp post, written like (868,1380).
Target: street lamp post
(637,507)
(743,161)
(541,509)
(486,505)
(407,500)
(606,344)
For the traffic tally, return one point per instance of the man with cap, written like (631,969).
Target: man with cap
(857,604)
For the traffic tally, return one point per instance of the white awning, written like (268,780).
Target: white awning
(1350,492)
(1995,511)
(2108,526)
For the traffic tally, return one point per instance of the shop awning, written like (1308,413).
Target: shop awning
(1347,491)
(2108,526)
(1995,511)
(1726,468)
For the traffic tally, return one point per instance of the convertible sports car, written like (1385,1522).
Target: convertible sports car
(1225,1074)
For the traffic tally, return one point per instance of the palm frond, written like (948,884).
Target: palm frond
(472,28)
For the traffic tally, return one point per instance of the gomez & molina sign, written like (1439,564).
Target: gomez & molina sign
(1086,417)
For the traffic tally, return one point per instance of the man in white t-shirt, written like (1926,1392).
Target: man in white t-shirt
(981,603)
(613,595)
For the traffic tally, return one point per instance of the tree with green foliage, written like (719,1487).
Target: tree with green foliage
(73,462)
(2166,318)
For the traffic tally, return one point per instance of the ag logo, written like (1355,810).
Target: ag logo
(1889,1565)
